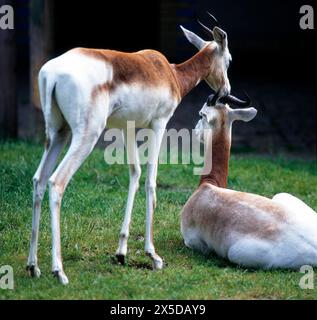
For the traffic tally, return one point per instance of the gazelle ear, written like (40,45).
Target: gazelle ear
(220,37)
(198,42)
(246,114)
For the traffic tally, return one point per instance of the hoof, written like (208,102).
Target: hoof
(61,276)
(33,271)
(157,262)
(121,258)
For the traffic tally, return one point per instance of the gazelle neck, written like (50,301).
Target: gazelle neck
(220,154)
(195,69)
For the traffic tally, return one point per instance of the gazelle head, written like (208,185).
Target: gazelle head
(219,117)
(218,50)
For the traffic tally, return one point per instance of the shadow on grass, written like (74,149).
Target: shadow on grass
(130,263)
(178,256)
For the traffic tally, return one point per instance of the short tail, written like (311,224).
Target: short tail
(46,89)
(47,84)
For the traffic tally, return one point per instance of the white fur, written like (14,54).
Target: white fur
(128,103)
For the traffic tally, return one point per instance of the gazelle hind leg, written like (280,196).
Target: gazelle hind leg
(81,146)
(57,133)
(135,173)
(150,189)
(253,253)
(45,169)
(305,219)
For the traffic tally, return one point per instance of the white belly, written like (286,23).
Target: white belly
(139,104)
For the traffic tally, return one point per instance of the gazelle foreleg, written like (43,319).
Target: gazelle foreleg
(53,149)
(135,173)
(158,127)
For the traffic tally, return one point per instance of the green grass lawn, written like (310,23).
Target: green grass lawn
(92,213)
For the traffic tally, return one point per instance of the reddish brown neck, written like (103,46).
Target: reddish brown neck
(220,153)
(192,71)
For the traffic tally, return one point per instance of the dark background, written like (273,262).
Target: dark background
(264,35)
(273,59)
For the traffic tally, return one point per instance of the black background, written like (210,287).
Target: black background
(264,35)
(273,59)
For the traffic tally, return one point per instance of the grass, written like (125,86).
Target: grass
(92,212)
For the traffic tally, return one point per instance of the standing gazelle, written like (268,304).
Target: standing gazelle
(247,229)
(84,90)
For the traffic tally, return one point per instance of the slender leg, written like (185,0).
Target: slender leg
(135,173)
(81,146)
(150,188)
(45,169)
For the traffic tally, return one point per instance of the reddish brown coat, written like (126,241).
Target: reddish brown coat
(151,68)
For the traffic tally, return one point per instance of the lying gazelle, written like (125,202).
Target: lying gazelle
(84,90)
(247,229)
